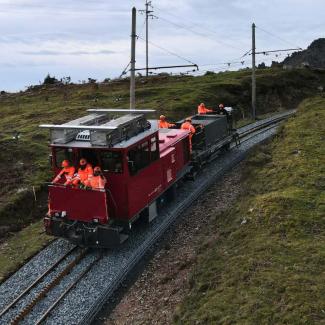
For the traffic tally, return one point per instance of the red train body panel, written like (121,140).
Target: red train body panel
(79,204)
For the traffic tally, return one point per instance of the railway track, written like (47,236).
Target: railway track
(41,287)
(262,124)
(82,297)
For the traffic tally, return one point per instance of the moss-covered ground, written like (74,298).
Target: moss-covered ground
(267,265)
(21,247)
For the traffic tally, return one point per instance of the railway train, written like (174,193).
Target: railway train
(143,166)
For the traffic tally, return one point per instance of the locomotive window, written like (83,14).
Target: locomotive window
(154,149)
(63,154)
(90,155)
(138,158)
(111,161)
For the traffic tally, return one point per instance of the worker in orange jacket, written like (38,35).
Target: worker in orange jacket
(67,171)
(98,180)
(85,172)
(187,125)
(201,109)
(163,124)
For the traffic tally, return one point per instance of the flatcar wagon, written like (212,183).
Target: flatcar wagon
(214,134)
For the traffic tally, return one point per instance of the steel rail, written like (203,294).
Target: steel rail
(28,308)
(36,281)
(248,129)
(249,136)
(69,288)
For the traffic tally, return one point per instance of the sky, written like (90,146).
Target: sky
(91,38)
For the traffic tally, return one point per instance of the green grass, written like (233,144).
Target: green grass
(267,266)
(20,247)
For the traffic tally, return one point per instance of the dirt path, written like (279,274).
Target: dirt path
(153,297)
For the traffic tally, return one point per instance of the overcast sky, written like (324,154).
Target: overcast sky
(91,38)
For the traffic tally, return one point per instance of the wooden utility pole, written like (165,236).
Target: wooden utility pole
(132,76)
(253,74)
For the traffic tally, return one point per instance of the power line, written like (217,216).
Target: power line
(202,35)
(279,38)
(198,33)
(142,26)
(223,63)
(273,51)
(247,53)
(167,51)
(196,25)
(125,70)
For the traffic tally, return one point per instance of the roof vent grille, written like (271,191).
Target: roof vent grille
(83,136)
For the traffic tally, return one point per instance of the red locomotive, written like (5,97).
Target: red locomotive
(141,165)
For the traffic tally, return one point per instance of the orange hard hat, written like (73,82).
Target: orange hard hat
(162,117)
(65,163)
(97,169)
(221,106)
(83,162)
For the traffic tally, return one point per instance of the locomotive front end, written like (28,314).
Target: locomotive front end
(81,216)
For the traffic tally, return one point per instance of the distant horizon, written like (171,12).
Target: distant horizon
(91,39)
(85,81)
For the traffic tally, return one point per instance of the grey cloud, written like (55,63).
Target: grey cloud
(50,52)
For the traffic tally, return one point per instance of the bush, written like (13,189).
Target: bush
(50,80)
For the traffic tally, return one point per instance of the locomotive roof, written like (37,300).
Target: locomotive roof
(101,129)
(120,145)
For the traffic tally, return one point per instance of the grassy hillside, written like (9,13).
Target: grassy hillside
(267,265)
(24,162)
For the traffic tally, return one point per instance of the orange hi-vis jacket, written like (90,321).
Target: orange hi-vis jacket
(201,109)
(68,172)
(97,182)
(85,174)
(164,124)
(188,126)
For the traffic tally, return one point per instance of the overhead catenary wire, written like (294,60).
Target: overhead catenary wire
(201,26)
(167,51)
(125,70)
(223,63)
(198,33)
(202,35)
(279,38)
